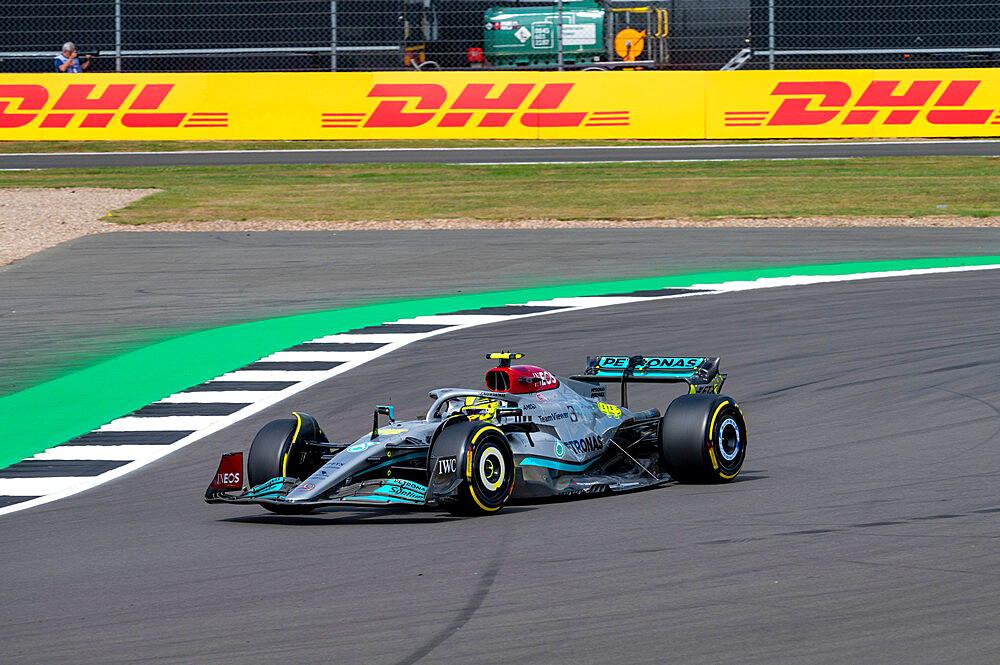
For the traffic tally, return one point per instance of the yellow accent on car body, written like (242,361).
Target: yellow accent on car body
(505,356)
(386,430)
(609,410)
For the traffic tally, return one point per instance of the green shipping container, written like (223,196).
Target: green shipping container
(526,36)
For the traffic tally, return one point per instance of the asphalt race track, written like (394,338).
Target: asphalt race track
(863,528)
(103,295)
(566,154)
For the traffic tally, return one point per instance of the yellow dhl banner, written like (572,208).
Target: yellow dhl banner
(502,105)
(853,103)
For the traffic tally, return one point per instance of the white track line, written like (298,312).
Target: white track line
(374,338)
(47,489)
(314,356)
(219,397)
(589,301)
(52,487)
(159,423)
(456,319)
(654,160)
(123,452)
(271,375)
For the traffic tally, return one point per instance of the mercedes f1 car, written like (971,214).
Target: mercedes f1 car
(530,434)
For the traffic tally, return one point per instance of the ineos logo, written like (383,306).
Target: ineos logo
(447,465)
(228,479)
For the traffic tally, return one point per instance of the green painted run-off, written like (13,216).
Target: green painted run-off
(55,411)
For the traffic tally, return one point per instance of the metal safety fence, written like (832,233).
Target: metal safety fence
(372,35)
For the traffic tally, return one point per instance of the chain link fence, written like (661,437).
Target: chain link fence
(881,34)
(361,35)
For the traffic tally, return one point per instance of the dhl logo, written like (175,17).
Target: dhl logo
(78,101)
(811,103)
(477,105)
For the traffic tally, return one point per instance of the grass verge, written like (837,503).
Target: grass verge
(906,187)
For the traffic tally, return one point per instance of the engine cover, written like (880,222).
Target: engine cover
(520,379)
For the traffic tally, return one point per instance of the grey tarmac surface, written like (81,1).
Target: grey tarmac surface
(101,295)
(863,529)
(564,154)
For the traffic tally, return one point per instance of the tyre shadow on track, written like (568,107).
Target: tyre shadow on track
(746,477)
(368,518)
(538,502)
(378,516)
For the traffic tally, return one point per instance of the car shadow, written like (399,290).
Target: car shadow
(750,477)
(366,517)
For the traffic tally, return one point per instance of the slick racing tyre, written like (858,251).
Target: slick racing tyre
(277,450)
(486,468)
(703,439)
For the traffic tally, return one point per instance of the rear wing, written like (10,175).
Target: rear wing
(700,374)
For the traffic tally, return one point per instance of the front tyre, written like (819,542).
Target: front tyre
(703,439)
(278,450)
(486,468)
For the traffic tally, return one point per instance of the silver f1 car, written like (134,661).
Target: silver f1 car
(531,434)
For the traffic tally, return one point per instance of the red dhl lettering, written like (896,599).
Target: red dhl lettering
(812,103)
(406,105)
(23,104)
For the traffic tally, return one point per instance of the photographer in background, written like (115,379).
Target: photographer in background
(68,62)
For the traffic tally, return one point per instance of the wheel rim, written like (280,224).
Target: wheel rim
(729,440)
(492,470)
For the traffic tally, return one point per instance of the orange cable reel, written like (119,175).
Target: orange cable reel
(629,44)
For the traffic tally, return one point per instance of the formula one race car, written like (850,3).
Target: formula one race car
(530,435)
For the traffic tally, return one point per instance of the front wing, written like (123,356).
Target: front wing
(387,492)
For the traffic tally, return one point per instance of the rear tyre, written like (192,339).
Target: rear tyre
(277,450)
(487,469)
(703,439)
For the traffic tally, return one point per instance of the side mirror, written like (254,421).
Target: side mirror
(385,411)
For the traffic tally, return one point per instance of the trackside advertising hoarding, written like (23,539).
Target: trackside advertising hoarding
(502,105)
